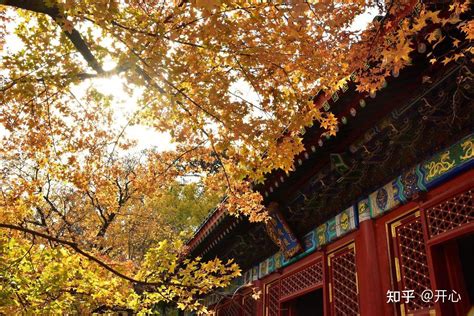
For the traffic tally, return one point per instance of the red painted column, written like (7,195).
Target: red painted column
(371,296)
(260,301)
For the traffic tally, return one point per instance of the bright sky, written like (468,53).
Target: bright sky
(125,104)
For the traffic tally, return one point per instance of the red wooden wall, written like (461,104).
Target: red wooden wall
(410,248)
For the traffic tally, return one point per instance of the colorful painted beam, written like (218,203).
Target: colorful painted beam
(424,176)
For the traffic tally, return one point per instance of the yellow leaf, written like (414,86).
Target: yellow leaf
(446,60)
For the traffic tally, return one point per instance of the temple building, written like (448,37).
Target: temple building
(378,220)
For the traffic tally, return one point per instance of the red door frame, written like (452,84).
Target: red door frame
(376,277)
(442,250)
(385,253)
(288,271)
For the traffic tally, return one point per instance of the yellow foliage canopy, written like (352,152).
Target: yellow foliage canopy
(85,226)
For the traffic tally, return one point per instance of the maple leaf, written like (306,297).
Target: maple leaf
(446,60)
(68,26)
(402,51)
(419,23)
(325,123)
(256,293)
(434,36)
(433,16)
(457,56)
(207,4)
(468,29)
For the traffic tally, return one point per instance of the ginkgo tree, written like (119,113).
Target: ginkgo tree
(86,223)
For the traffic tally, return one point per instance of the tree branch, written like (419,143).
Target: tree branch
(39,6)
(83,253)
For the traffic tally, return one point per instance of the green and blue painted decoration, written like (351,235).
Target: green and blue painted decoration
(422,177)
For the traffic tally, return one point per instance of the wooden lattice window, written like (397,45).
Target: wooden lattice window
(272,299)
(231,308)
(343,289)
(309,277)
(249,306)
(451,214)
(410,260)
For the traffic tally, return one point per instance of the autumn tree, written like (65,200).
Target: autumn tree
(90,224)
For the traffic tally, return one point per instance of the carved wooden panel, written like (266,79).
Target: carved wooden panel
(302,280)
(231,308)
(344,294)
(249,306)
(272,299)
(411,263)
(451,214)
